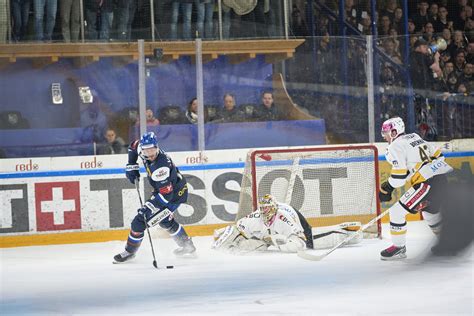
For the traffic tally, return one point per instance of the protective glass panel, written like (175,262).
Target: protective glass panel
(65,105)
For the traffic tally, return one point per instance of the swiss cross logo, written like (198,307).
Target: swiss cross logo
(58,206)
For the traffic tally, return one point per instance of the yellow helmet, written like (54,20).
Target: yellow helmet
(267,208)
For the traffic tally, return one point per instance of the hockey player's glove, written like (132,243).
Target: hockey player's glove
(132,172)
(385,193)
(145,213)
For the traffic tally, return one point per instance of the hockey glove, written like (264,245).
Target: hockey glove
(385,193)
(145,213)
(132,172)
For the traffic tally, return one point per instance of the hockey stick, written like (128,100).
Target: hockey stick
(147,230)
(305,255)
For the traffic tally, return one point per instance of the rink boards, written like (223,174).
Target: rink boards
(88,199)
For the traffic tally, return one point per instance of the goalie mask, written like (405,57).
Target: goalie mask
(392,128)
(267,208)
(149,146)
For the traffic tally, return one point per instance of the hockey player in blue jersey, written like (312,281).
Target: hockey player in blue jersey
(169,191)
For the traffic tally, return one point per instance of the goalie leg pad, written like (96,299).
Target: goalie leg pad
(231,240)
(328,237)
(226,238)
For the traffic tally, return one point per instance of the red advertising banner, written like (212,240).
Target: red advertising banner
(58,206)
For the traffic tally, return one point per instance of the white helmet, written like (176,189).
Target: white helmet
(393,127)
(267,207)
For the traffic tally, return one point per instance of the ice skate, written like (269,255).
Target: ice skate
(123,257)
(394,253)
(187,250)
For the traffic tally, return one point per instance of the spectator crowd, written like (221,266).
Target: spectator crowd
(445,74)
(125,20)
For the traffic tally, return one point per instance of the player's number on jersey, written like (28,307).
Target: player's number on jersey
(423,155)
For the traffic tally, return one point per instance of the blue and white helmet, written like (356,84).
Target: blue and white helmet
(148,141)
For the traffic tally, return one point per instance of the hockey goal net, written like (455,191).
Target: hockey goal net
(328,185)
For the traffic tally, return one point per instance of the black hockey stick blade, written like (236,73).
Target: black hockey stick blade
(155,264)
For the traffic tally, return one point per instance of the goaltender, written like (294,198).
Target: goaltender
(279,225)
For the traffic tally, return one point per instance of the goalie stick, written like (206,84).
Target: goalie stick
(305,255)
(155,264)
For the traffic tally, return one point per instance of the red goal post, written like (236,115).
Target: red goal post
(328,185)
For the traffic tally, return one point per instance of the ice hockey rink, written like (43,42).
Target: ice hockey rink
(81,279)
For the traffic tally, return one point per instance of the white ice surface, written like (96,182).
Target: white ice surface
(81,279)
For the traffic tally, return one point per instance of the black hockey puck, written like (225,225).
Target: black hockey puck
(169,267)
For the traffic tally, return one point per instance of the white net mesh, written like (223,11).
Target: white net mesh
(327,185)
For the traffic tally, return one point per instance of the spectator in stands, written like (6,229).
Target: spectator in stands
(20,14)
(395,38)
(113,144)
(229,112)
(227,16)
(459,62)
(445,58)
(452,79)
(125,13)
(151,120)
(45,9)
(191,112)
(92,9)
(398,21)
(389,49)
(350,12)
(70,20)
(411,28)
(423,66)
(469,30)
(267,111)
(253,23)
(13,120)
(428,32)
(2,154)
(186,9)
(205,23)
(366,23)
(298,23)
(441,22)
(467,78)
(448,69)
(446,35)
(390,9)
(459,22)
(433,13)
(457,43)
(421,17)
(384,26)
(470,53)
(94,123)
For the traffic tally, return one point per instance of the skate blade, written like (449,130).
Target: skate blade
(187,256)
(394,258)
